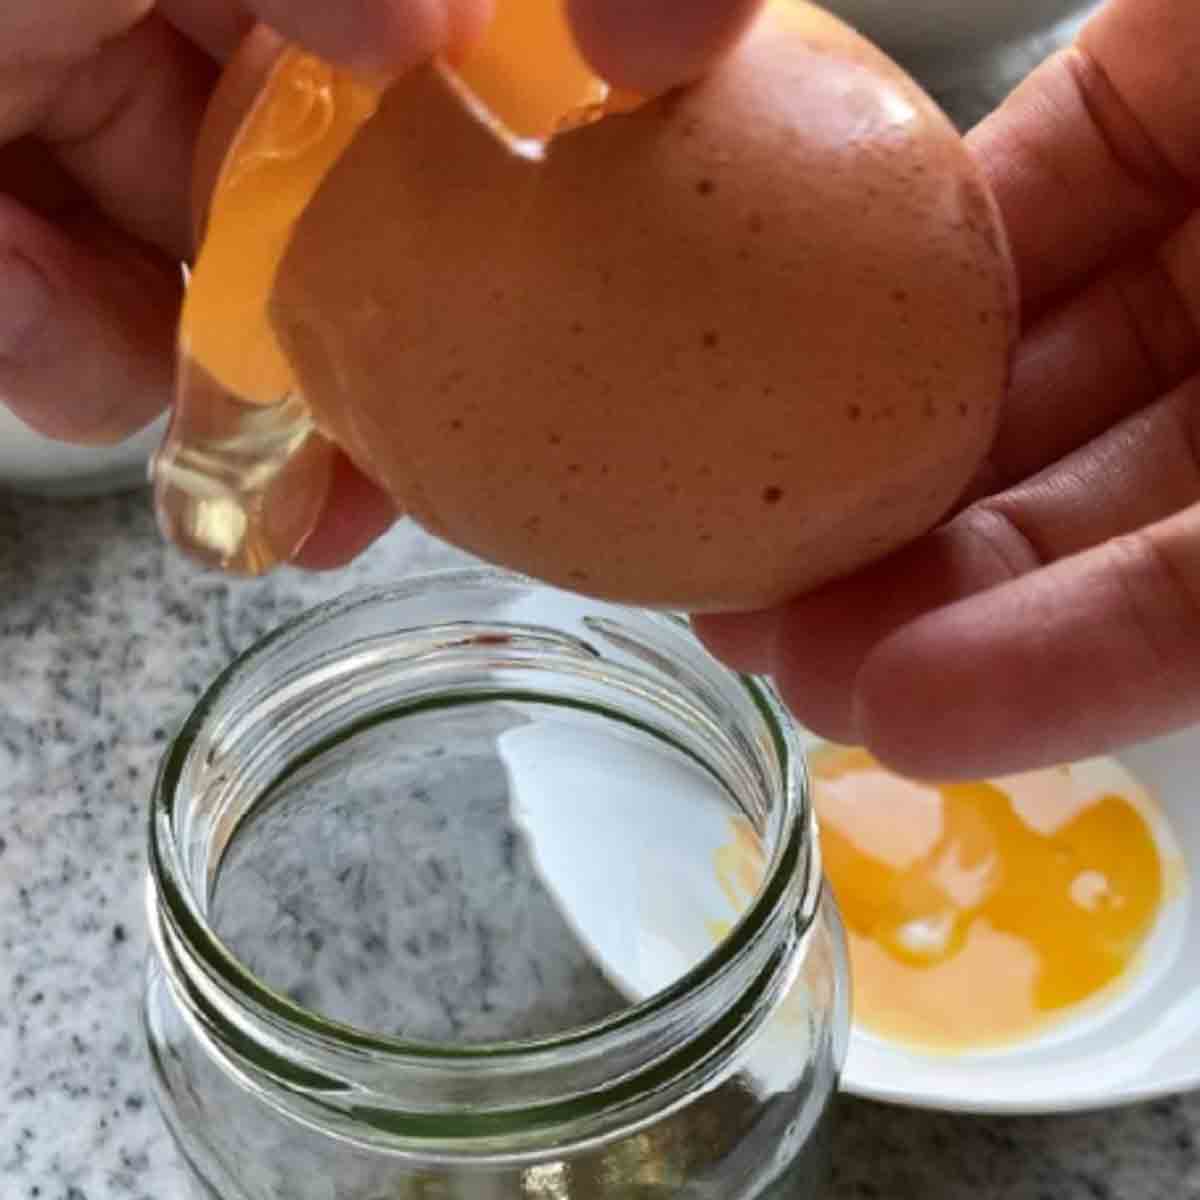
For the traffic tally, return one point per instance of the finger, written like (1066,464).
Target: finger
(216,26)
(125,122)
(1107,129)
(653,45)
(356,514)
(1130,337)
(1137,474)
(815,646)
(1092,653)
(744,641)
(34,31)
(86,328)
(386,35)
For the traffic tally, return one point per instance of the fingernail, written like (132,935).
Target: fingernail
(25,303)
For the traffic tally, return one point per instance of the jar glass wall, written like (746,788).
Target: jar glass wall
(474,889)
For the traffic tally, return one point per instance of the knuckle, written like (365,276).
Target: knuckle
(1189,420)
(64,31)
(995,524)
(1140,147)
(14,225)
(1160,578)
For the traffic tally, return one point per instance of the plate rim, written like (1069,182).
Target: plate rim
(1068,1104)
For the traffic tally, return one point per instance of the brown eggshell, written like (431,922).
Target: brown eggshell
(705,356)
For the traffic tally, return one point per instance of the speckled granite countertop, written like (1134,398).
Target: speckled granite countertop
(106,638)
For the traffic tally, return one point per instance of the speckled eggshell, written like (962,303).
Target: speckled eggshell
(705,356)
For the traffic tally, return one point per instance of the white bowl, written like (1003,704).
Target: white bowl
(36,465)
(1143,1042)
(938,38)
(968,53)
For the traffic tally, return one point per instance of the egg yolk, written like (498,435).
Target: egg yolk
(218,475)
(291,138)
(978,913)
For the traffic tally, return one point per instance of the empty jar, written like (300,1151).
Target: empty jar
(470,889)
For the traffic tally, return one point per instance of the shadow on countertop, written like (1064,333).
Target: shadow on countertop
(1145,1152)
(41,538)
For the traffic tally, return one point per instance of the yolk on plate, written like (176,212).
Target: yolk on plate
(978,913)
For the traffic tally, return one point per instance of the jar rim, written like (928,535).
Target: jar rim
(794,853)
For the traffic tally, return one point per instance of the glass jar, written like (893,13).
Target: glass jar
(472,889)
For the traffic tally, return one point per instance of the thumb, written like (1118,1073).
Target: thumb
(377,35)
(653,45)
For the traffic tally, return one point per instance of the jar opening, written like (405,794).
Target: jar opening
(472,822)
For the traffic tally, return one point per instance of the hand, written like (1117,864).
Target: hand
(100,103)
(1058,614)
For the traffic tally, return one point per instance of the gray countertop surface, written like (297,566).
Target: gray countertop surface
(106,639)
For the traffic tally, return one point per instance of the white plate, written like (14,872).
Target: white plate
(649,900)
(1144,1042)
(35,464)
